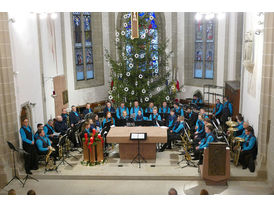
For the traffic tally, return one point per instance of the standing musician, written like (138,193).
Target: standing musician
(174,133)
(209,137)
(134,110)
(27,136)
(60,126)
(248,152)
(65,115)
(150,108)
(227,111)
(108,108)
(87,110)
(120,110)
(74,116)
(108,118)
(218,109)
(155,116)
(43,144)
(178,110)
(171,119)
(164,109)
(191,117)
(39,126)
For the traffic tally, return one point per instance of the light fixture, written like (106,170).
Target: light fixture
(54,15)
(221,16)
(43,15)
(198,16)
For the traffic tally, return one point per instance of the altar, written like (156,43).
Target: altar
(128,148)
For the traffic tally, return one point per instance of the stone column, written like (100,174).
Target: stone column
(8,123)
(265,157)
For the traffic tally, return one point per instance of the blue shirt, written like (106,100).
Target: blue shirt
(164,110)
(240,127)
(152,116)
(149,110)
(24,136)
(119,112)
(205,142)
(140,118)
(177,128)
(178,112)
(108,120)
(46,129)
(134,110)
(218,108)
(171,120)
(201,126)
(249,142)
(229,105)
(39,143)
(195,101)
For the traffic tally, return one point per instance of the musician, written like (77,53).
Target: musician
(39,126)
(64,115)
(218,109)
(248,151)
(43,144)
(155,116)
(150,108)
(92,125)
(74,116)
(134,110)
(171,119)
(60,126)
(87,129)
(121,109)
(203,113)
(191,117)
(227,111)
(200,129)
(108,108)
(96,122)
(139,116)
(174,133)
(108,118)
(196,100)
(178,110)
(209,137)
(87,110)
(164,110)
(27,136)
(245,125)
(240,125)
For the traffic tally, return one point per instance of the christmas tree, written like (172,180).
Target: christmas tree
(141,70)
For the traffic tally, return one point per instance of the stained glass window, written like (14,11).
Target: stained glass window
(151,30)
(204,49)
(83,45)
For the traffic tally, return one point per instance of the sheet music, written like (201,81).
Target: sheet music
(137,136)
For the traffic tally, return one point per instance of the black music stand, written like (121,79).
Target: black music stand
(61,144)
(138,158)
(11,146)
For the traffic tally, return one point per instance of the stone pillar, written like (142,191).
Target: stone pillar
(8,123)
(265,158)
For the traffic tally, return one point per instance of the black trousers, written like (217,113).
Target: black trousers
(246,157)
(31,160)
(54,154)
(170,138)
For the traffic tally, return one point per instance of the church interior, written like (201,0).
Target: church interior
(167,102)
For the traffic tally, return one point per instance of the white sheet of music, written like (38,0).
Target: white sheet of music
(138,136)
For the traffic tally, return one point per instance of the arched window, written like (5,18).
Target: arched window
(204,49)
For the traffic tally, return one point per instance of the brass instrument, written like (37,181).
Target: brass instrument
(231,130)
(237,150)
(49,159)
(231,123)
(60,151)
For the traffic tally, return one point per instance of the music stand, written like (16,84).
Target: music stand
(11,146)
(61,143)
(138,136)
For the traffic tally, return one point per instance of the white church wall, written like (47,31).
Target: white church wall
(251,82)
(94,94)
(26,64)
(180,49)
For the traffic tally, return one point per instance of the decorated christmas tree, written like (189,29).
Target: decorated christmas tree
(140,72)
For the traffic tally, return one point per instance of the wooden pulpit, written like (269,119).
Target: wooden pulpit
(216,164)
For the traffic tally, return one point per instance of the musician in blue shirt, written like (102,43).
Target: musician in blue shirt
(240,125)
(248,151)
(48,128)
(134,110)
(245,125)
(108,118)
(171,119)
(175,133)
(218,109)
(27,136)
(164,110)
(155,116)
(87,110)
(108,108)
(65,115)
(39,126)
(227,112)
(178,110)
(139,116)
(150,108)
(119,110)
(74,116)
(196,100)
(97,122)
(200,129)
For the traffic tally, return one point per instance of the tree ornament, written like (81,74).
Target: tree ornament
(143,91)
(146,99)
(146,30)
(156,71)
(123,33)
(130,65)
(153,58)
(117,34)
(132,92)
(123,54)
(143,36)
(125,16)
(130,59)
(110,97)
(158,89)
(142,56)
(125,58)
(140,76)
(153,41)
(136,83)
(151,17)
(128,74)
(150,95)
(172,87)
(114,88)
(136,56)
(109,92)
(126,89)
(117,39)
(125,24)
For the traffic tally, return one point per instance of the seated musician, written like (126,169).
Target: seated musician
(203,113)
(245,125)
(60,126)
(43,144)
(164,109)
(240,125)
(155,116)
(120,110)
(39,126)
(196,100)
(96,122)
(139,116)
(209,137)
(174,133)
(86,129)
(218,109)
(200,129)
(248,151)
(49,131)
(124,115)
(108,118)
(171,119)
(108,108)
(64,115)
(134,110)
(178,110)
(87,110)
(150,108)
(92,125)
(74,116)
